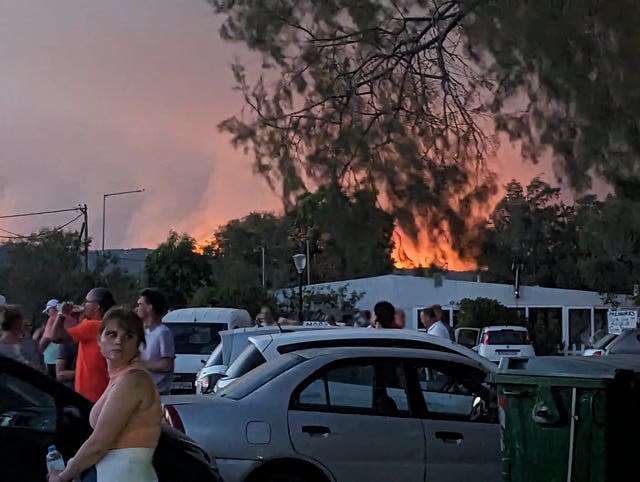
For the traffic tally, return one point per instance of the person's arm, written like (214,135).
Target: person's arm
(167,352)
(58,332)
(120,405)
(62,373)
(162,365)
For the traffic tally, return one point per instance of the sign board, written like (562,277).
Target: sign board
(315,323)
(618,320)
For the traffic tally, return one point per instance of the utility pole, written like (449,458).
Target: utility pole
(86,238)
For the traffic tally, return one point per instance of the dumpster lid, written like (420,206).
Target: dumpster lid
(604,367)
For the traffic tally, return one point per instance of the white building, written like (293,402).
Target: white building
(573,314)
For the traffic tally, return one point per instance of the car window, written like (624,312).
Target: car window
(372,388)
(627,342)
(216,356)
(260,376)
(24,406)
(387,342)
(454,391)
(196,338)
(505,337)
(249,359)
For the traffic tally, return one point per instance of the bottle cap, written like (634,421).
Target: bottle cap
(52,448)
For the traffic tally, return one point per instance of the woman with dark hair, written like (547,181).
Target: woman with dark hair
(126,418)
(13,343)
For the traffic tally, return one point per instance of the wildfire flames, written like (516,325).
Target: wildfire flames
(409,255)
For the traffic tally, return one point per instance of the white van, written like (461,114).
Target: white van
(195,334)
(495,342)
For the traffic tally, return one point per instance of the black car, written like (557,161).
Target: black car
(37,411)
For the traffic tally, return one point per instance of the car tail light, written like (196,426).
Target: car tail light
(172,417)
(502,401)
(527,340)
(597,353)
(485,338)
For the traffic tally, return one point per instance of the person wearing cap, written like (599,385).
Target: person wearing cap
(47,347)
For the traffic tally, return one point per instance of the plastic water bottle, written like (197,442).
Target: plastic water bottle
(55,462)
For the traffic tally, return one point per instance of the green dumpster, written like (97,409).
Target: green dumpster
(570,419)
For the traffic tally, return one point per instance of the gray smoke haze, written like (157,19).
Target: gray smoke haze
(100,97)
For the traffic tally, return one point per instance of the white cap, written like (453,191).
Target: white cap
(52,303)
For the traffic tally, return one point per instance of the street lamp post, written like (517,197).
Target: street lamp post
(300,261)
(104,209)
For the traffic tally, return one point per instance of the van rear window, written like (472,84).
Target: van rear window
(506,337)
(196,338)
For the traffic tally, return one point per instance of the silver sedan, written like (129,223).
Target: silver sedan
(350,414)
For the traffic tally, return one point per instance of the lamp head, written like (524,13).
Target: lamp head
(300,260)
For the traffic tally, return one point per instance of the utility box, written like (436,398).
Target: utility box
(569,419)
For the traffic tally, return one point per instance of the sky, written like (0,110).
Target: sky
(102,97)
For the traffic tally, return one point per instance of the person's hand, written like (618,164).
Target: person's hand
(55,478)
(66,308)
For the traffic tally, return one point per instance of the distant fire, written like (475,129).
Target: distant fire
(406,254)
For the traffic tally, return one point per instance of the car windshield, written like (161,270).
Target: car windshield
(260,376)
(507,337)
(246,361)
(604,341)
(216,357)
(196,338)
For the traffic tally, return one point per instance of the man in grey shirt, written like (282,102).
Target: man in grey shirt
(159,351)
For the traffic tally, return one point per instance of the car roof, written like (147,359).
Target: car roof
(389,352)
(505,327)
(283,339)
(260,330)
(234,316)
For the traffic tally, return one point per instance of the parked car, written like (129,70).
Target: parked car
(195,334)
(495,342)
(232,342)
(350,414)
(267,347)
(627,342)
(36,411)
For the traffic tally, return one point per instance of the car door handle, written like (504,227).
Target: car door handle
(450,437)
(316,430)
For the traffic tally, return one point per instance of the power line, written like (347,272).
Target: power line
(79,208)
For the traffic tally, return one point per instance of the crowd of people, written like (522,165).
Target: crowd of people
(384,315)
(118,358)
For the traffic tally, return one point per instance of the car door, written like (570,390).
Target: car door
(33,415)
(460,420)
(355,419)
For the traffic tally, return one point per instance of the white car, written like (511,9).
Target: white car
(195,335)
(232,342)
(266,347)
(350,414)
(496,342)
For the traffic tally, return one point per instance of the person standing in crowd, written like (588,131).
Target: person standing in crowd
(91,375)
(383,313)
(48,348)
(67,352)
(265,317)
(432,320)
(363,319)
(399,320)
(13,343)
(127,417)
(159,352)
